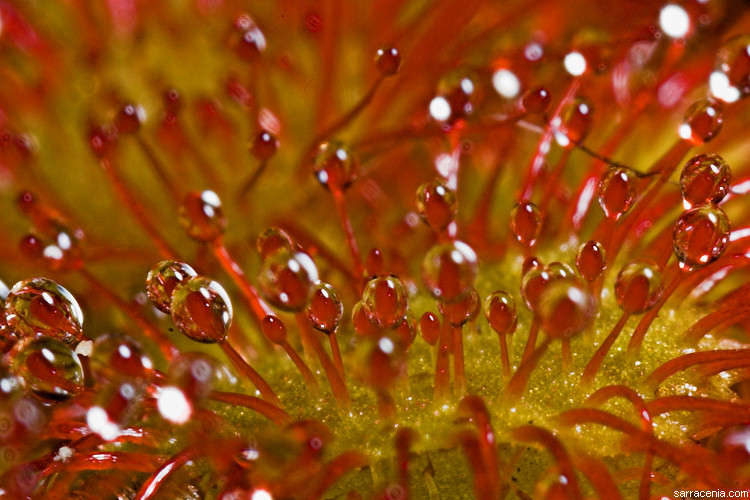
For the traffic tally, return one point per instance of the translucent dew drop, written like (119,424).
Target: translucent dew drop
(274,329)
(460,312)
(287,280)
(201,309)
(196,374)
(617,191)
(121,354)
(457,96)
(638,287)
(702,122)
(565,308)
(264,145)
(429,327)
(701,235)
(730,80)
(536,100)
(202,217)
(325,309)
(272,240)
(162,280)
(40,306)
(500,311)
(591,260)
(705,178)
(526,223)
(449,270)
(388,60)
(574,122)
(533,284)
(385,301)
(335,166)
(436,204)
(50,369)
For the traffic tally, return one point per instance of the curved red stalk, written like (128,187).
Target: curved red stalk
(692,459)
(531,340)
(592,368)
(405,436)
(336,468)
(159,169)
(153,483)
(534,434)
(666,404)
(486,474)
(268,410)
(598,476)
(727,359)
(336,354)
(605,393)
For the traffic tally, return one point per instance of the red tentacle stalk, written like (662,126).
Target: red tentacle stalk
(153,483)
(534,434)
(244,367)
(346,462)
(727,359)
(605,393)
(404,439)
(257,306)
(136,209)
(337,384)
(643,326)
(268,410)
(518,382)
(592,368)
(358,269)
(692,459)
(599,477)
(487,476)
(442,361)
(459,370)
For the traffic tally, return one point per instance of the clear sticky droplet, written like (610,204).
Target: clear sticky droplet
(335,165)
(702,122)
(526,223)
(591,260)
(287,280)
(638,287)
(162,280)
(201,309)
(500,311)
(617,191)
(385,301)
(705,178)
(566,308)
(449,270)
(50,369)
(40,306)
(701,235)
(202,217)
(325,309)
(436,204)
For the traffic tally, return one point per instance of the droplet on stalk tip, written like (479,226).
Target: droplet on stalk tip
(638,287)
(40,306)
(617,191)
(705,178)
(202,217)
(701,235)
(201,309)
(162,280)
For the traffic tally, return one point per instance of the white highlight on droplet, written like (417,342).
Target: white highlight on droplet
(720,87)
(440,109)
(506,83)
(173,405)
(674,21)
(575,63)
